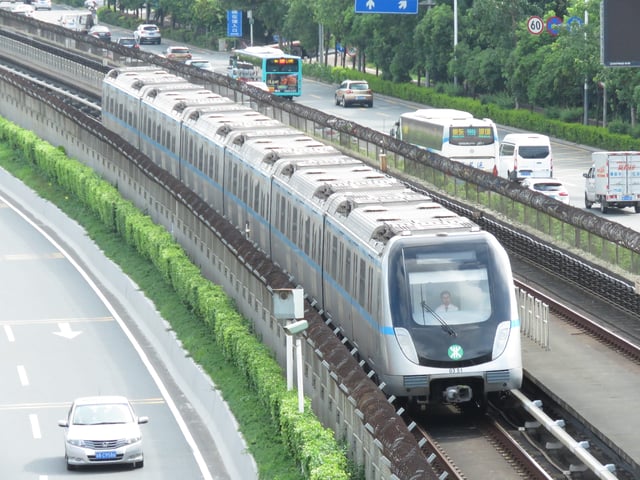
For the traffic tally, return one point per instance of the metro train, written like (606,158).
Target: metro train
(377,257)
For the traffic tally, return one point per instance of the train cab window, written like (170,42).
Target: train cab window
(466,273)
(455,296)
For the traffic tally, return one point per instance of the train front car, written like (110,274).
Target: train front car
(452,331)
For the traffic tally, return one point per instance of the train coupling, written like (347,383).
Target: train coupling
(457,394)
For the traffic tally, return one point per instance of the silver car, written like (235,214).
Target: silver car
(352,92)
(102,430)
(147,33)
(200,63)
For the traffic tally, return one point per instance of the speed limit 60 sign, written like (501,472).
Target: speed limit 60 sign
(535,25)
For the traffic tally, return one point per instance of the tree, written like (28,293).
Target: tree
(207,16)
(297,25)
(433,43)
(391,49)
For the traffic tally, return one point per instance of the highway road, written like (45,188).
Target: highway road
(570,160)
(62,337)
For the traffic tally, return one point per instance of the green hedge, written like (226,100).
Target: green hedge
(314,447)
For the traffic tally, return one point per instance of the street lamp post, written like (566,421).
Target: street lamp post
(455,37)
(585,119)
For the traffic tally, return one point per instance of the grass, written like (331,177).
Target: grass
(269,452)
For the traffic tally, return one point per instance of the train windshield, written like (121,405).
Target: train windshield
(449,293)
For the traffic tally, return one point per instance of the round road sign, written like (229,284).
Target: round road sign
(553,24)
(535,25)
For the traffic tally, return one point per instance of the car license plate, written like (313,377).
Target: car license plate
(525,173)
(361,97)
(627,197)
(108,455)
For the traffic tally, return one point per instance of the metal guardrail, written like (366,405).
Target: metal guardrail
(556,428)
(534,317)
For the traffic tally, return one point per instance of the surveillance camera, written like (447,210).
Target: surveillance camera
(296,327)
(284,294)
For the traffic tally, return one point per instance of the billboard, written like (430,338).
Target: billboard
(619,32)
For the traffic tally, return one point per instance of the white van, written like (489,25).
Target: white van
(525,155)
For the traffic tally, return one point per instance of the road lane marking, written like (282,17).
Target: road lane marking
(22,374)
(175,411)
(14,257)
(9,333)
(44,321)
(66,405)
(65,331)
(35,426)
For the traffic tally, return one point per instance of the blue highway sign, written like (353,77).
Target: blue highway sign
(386,6)
(234,23)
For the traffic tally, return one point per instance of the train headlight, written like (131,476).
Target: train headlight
(406,344)
(501,338)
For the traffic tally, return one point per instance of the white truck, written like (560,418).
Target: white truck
(613,181)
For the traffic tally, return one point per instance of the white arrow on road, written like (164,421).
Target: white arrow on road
(66,332)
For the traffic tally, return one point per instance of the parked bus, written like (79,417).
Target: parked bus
(454,134)
(281,72)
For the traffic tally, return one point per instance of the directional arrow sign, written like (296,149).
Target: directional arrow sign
(65,331)
(386,6)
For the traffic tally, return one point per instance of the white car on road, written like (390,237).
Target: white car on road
(102,430)
(147,33)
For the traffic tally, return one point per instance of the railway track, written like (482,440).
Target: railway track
(523,462)
(82,101)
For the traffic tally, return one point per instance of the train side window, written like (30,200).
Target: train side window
(333,256)
(307,235)
(375,292)
(362,279)
(246,191)
(369,294)
(257,199)
(233,180)
(214,160)
(283,213)
(316,245)
(294,224)
(347,270)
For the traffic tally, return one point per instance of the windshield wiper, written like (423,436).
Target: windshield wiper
(445,325)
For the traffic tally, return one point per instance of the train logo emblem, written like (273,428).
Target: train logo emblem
(455,352)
